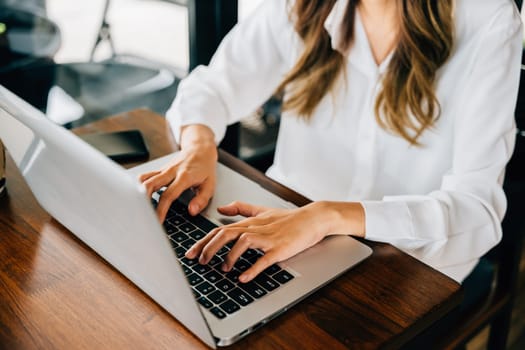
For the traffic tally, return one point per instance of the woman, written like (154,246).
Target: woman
(398,123)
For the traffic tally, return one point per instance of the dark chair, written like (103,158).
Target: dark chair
(258,135)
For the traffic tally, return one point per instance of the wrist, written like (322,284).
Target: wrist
(343,218)
(198,136)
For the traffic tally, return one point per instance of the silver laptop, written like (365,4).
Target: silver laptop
(106,207)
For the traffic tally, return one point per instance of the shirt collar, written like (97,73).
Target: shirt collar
(333,24)
(360,53)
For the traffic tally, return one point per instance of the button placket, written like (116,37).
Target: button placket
(366,159)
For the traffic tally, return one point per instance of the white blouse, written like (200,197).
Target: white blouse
(442,202)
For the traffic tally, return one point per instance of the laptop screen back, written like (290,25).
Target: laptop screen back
(100,203)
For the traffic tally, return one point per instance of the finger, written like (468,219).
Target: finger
(260,265)
(145,176)
(174,190)
(156,182)
(251,223)
(203,196)
(246,240)
(241,208)
(224,236)
(196,249)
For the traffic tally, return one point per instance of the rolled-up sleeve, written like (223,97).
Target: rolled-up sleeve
(461,220)
(242,75)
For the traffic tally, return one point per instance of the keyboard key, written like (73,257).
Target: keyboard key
(179,237)
(205,288)
(266,282)
(201,269)
(272,269)
(195,293)
(187,270)
(233,275)
(253,259)
(189,262)
(179,207)
(283,277)
(242,265)
(173,244)
(225,285)
(222,251)
(176,220)
(170,214)
(180,251)
(240,296)
(197,234)
(215,260)
(218,312)
(205,302)
(202,223)
(213,276)
(229,306)
(250,253)
(170,229)
(188,243)
(253,289)
(194,279)
(217,297)
(187,227)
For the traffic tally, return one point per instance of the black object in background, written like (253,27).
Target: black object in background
(120,146)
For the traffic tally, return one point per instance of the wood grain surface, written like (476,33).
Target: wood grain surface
(56,293)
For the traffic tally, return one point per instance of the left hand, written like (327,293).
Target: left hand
(279,233)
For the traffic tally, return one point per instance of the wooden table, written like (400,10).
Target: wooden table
(56,293)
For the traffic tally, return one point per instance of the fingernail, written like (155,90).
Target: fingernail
(192,251)
(194,208)
(202,260)
(224,267)
(243,278)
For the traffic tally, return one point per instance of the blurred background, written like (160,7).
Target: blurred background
(153,29)
(79,61)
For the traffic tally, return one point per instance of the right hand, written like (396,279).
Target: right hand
(194,166)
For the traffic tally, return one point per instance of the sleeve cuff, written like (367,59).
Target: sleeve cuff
(197,104)
(177,121)
(386,221)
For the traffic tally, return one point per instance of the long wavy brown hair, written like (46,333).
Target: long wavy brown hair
(407,104)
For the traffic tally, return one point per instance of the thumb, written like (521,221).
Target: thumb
(201,199)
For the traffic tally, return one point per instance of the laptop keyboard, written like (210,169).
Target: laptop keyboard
(219,292)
